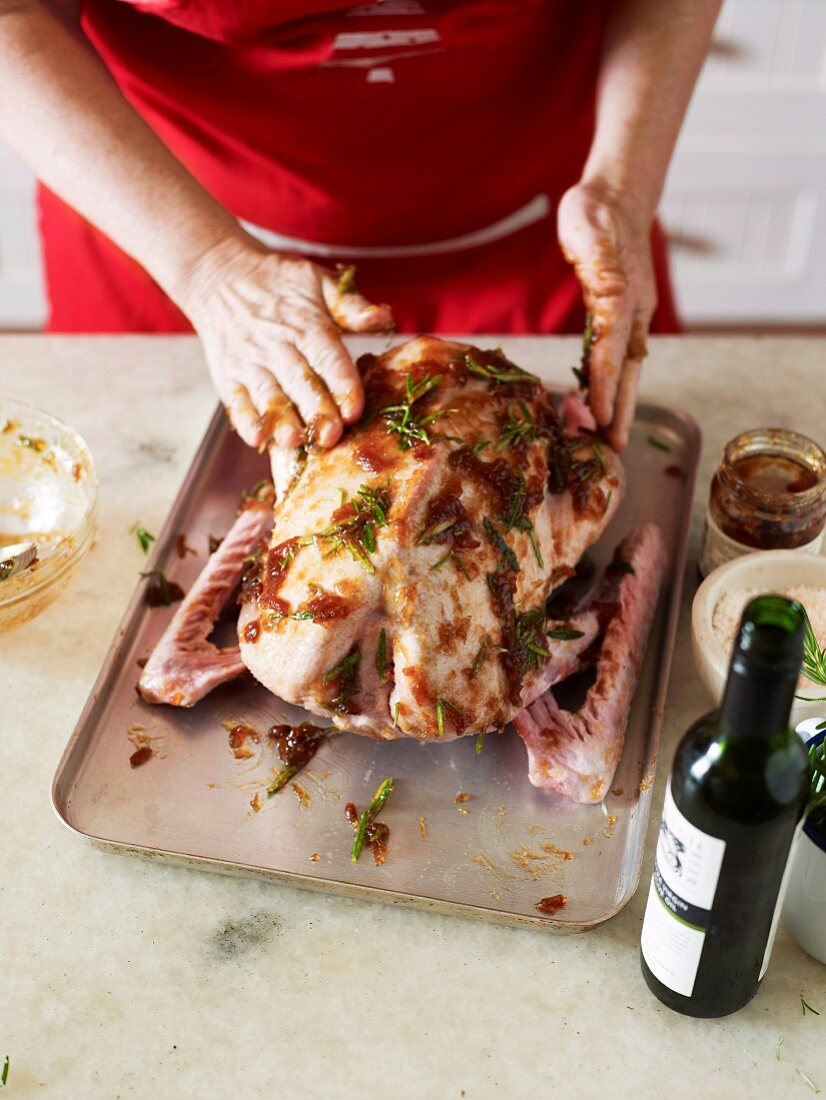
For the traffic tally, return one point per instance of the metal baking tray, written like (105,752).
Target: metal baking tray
(494,855)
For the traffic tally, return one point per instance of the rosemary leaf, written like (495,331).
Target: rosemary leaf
(367,818)
(508,558)
(346,667)
(564,634)
(659,444)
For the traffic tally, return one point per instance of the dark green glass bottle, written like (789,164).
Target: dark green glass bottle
(737,791)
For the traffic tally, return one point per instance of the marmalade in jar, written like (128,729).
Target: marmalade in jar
(768,493)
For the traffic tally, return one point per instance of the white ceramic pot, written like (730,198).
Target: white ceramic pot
(804,907)
(762,571)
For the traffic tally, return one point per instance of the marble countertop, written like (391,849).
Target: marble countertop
(123,978)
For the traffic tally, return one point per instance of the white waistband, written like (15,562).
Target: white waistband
(532,212)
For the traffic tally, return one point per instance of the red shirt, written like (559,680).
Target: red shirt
(365,127)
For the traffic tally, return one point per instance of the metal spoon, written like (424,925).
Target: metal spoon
(15,558)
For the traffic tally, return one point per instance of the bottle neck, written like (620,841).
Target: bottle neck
(757,703)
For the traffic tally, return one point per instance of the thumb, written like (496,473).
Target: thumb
(350,309)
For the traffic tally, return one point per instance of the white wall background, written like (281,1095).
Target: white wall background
(745,204)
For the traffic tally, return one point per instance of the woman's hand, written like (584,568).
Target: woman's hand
(609,245)
(271,330)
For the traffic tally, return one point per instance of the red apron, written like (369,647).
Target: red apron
(429,142)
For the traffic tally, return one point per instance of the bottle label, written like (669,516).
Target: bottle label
(719,547)
(686,873)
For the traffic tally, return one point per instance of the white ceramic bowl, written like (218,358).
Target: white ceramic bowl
(805,902)
(764,571)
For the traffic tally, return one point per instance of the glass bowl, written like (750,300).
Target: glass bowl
(48,496)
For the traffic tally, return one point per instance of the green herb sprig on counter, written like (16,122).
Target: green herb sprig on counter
(144,538)
(4,1072)
(368,817)
(806,1007)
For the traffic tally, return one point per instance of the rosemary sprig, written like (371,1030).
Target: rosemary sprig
(659,444)
(343,668)
(480,741)
(517,504)
(814,656)
(375,501)
(381,656)
(356,533)
(457,560)
(145,540)
(529,635)
(4,1073)
(524,524)
(404,422)
(433,532)
(492,372)
(508,558)
(482,445)
(806,1007)
(385,789)
(487,647)
(282,779)
(345,674)
(516,429)
(396,715)
(479,659)
(441,705)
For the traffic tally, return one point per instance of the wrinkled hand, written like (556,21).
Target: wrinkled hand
(271,331)
(610,250)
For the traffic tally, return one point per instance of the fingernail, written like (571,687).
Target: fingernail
(287,435)
(326,431)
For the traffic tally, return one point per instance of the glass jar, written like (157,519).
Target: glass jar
(769,493)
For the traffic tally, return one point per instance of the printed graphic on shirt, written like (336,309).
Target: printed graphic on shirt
(374,50)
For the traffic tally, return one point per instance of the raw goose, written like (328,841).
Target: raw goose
(403,587)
